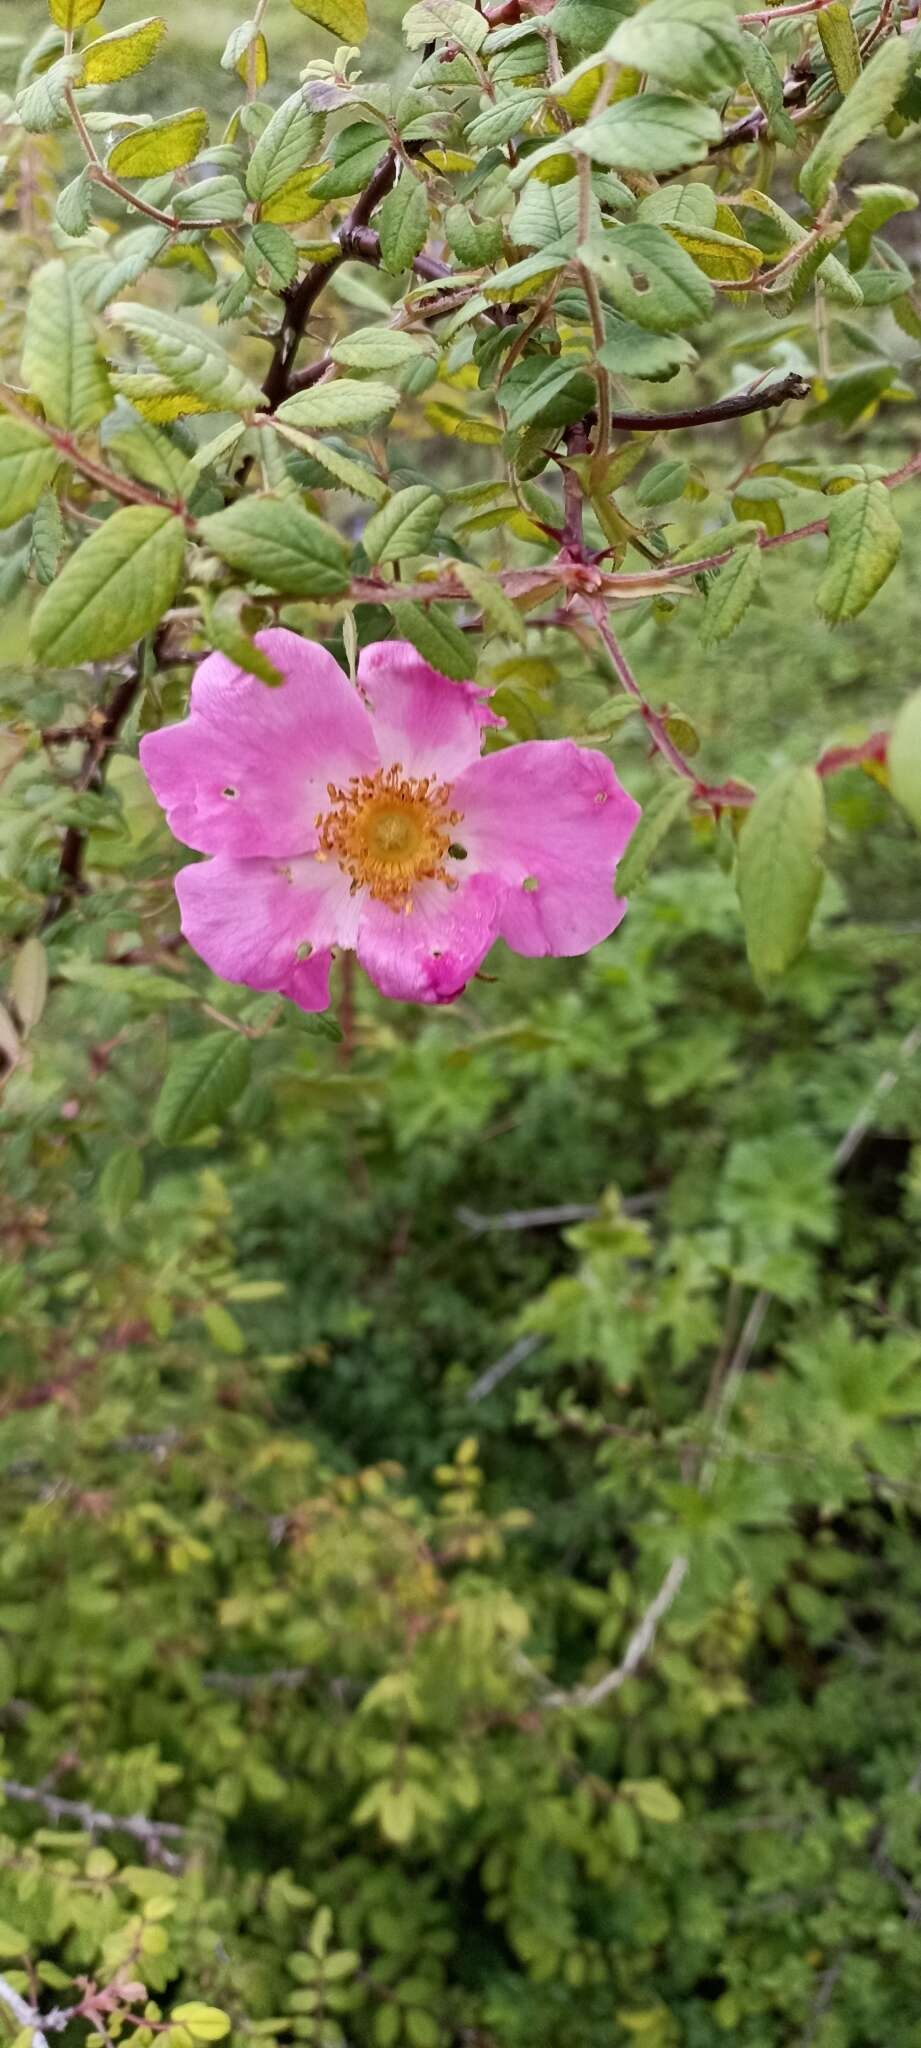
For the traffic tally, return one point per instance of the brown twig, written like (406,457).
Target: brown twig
(93,1821)
(732,408)
(91,775)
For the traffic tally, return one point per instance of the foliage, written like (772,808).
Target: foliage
(339,1481)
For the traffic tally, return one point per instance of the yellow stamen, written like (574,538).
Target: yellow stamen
(389,832)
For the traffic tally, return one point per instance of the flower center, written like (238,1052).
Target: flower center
(389,832)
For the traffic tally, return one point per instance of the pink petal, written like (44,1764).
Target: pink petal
(431,725)
(249,920)
(246,772)
(551,813)
(427,955)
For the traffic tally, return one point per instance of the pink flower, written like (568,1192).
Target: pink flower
(365,818)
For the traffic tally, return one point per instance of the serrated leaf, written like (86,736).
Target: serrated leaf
(692,44)
(274,540)
(903,759)
(654,132)
(74,209)
(276,250)
(42,105)
(462,426)
(48,537)
(435,636)
(294,200)
(533,385)
(438,20)
(498,610)
(474,242)
(29,983)
(284,147)
(667,806)
(404,526)
(726,257)
(164,146)
(780,869)
(203,2022)
(345,18)
(632,351)
(355,154)
(767,85)
(684,206)
(154,459)
(27,464)
(61,360)
(203,1080)
(351,475)
(379,348)
(120,54)
(403,223)
(113,590)
(120,1185)
(191,357)
(342,404)
(218,198)
(505,117)
(866,106)
(839,41)
(864,544)
(224,631)
(730,595)
(157,400)
(649,277)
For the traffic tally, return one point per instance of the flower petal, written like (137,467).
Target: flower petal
(250,919)
(554,815)
(428,724)
(247,771)
(427,955)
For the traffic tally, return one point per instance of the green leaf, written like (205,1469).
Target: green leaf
(164,146)
(203,2022)
(189,356)
(120,1185)
(533,385)
(12,1942)
(651,279)
(668,805)
(652,1798)
(225,1332)
(730,595)
(284,147)
(154,459)
(654,133)
(380,348)
(780,869)
(546,214)
(498,610)
(839,41)
(767,85)
(685,206)
(223,626)
(341,404)
(664,482)
(274,540)
(27,464)
(346,18)
(61,361)
(356,152)
(878,203)
(505,117)
(120,54)
(203,1080)
(113,590)
(404,526)
(403,223)
(475,242)
(29,983)
(70,14)
(219,198)
(435,636)
(867,105)
(864,544)
(42,106)
(585,25)
(74,209)
(276,249)
(439,20)
(353,476)
(632,351)
(48,537)
(904,759)
(692,44)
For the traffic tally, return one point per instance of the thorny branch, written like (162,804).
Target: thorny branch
(93,1820)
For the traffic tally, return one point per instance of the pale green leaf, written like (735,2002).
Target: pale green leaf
(29,983)
(343,404)
(164,146)
(654,132)
(274,540)
(650,279)
(780,869)
(904,759)
(864,543)
(42,105)
(120,1185)
(276,249)
(435,636)
(284,147)
(219,198)
(839,41)
(190,357)
(440,20)
(691,44)
(113,590)
(153,458)
(203,1080)
(61,360)
(380,348)
(730,595)
(27,464)
(668,805)
(632,351)
(345,18)
(403,223)
(225,631)
(351,475)
(74,209)
(867,105)
(48,537)
(499,613)
(404,526)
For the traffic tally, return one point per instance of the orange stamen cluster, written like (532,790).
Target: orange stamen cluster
(389,832)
